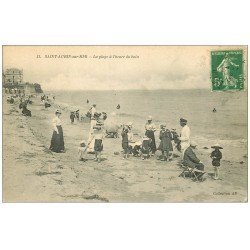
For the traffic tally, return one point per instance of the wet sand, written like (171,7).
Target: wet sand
(32,173)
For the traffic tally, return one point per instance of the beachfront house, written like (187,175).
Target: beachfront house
(13,76)
(13,83)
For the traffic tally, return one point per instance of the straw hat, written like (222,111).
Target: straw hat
(217,146)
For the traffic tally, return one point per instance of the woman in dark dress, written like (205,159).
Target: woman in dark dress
(150,130)
(57,141)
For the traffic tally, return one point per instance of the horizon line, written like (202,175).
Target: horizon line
(122,89)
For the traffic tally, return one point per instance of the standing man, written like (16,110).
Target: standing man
(191,160)
(185,135)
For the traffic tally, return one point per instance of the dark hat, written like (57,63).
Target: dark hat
(183,120)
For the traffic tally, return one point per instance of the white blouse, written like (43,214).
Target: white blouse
(56,122)
(150,126)
(185,137)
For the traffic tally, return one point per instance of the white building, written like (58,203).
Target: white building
(13,76)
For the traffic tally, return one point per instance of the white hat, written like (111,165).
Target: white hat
(130,123)
(150,118)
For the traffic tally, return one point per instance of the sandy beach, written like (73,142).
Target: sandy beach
(32,173)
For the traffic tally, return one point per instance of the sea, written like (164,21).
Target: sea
(229,122)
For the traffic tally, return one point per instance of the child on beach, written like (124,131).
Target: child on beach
(145,147)
(166,144)
(125,145)
(216,156)
(97,136)
(82,150)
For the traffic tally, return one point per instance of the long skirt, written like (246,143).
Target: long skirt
(150,134)
(57,141)
(166,145)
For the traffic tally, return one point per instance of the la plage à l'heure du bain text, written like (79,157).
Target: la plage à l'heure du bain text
(116,57)
(86,56)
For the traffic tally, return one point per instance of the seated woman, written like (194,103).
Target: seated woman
(112,126)
(146,147)
(136,149)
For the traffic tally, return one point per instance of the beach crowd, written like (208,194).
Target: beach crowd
(144,148)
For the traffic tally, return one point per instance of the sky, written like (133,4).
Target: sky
(113,67)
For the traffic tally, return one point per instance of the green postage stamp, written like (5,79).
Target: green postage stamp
(227,70)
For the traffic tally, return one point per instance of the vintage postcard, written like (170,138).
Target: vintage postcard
(125,124)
